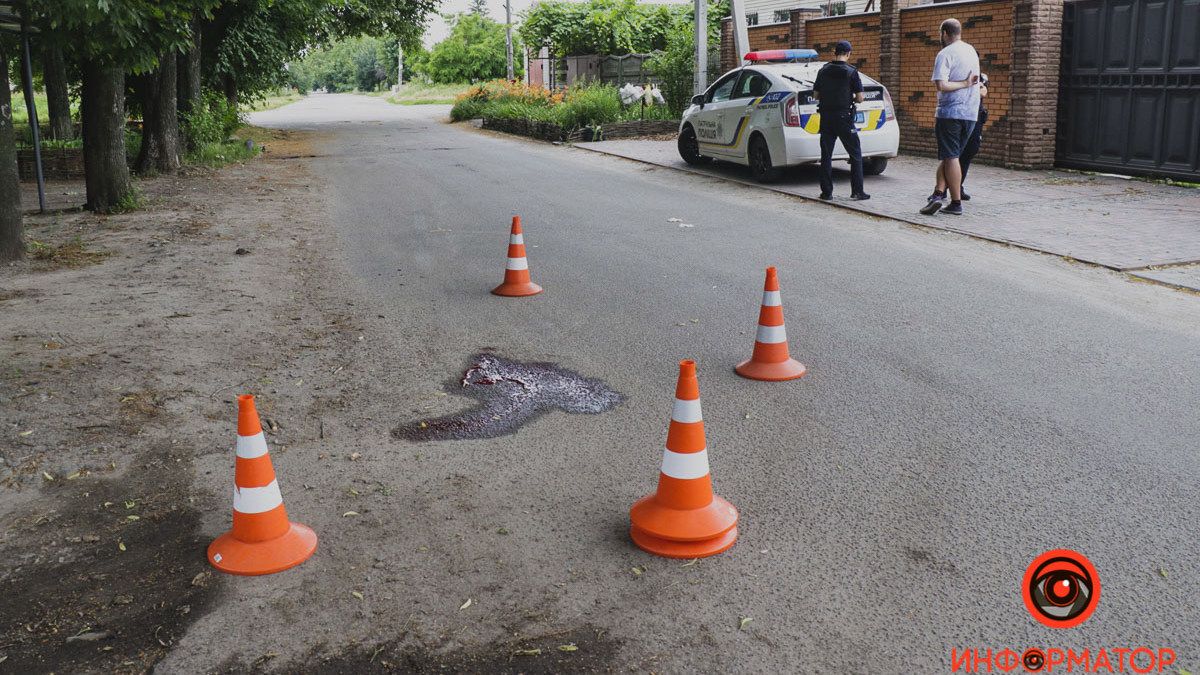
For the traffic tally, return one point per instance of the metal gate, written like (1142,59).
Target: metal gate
(1130,98)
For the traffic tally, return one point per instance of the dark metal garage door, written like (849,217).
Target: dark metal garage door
(1130,99)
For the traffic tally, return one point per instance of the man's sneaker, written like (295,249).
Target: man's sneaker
(966,197)
(860,196)
(825,196)
(935,204)
(954,209)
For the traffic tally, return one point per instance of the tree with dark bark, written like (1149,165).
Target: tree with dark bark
(12,237)
(58,101)
(160,120)
(109,39)
(188,71)
(105,168)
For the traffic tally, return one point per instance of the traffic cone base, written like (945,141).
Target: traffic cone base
(518,290)
(771,372)
(692,526)
(685,550)
(262,557)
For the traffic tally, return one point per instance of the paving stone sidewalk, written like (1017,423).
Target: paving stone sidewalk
(1123,224)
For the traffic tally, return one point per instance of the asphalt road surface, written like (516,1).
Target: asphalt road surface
(968,407)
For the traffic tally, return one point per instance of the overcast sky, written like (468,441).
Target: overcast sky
(437,29)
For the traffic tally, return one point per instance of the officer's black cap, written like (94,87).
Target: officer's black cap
(842,47)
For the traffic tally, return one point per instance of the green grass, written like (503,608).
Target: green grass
(20,113)
(272,101)
(220,154)
(416,93)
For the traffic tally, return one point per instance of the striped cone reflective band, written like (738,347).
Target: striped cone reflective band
(684,519)
(262,540)
(516,270)
(770,360)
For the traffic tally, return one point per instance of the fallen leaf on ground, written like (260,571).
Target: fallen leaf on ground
(691,562)
(743,621)
(121,546)
(1162,573)
(528,652)
(47,476)
(25,433)
(567,648)
(90,636)
(357,594)
(200,579)
(133,518)
(637,571)
(349,513)
(465,605)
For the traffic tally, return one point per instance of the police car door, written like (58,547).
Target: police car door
(747,93)
(714,133)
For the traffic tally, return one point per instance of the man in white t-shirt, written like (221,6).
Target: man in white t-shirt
(956,73)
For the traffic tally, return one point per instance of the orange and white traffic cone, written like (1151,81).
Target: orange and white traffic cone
(684,519)
(262,540)
(770,360)
(516,271)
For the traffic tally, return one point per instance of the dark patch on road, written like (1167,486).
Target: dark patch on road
(585,650)
(73,601)
(511,393)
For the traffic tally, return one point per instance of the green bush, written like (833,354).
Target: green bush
(676,68)
(588,105)
(213,121)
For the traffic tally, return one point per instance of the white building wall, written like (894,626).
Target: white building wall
(766,8)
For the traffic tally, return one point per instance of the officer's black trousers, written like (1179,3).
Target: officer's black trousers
(848,135)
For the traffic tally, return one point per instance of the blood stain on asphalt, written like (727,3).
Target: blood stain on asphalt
(509,394)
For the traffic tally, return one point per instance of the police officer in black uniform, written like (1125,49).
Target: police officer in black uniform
(838,89)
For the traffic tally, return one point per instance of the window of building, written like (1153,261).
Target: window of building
(782,15)
(752,19)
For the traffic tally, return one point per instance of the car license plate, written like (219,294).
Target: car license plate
(859,118)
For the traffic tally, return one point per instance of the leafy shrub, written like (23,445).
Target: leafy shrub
(583,105)
(212,121)
(676,68)
(588,105)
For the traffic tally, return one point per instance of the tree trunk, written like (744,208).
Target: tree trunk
(229,86)
(58,103)
(188,65)
(106,171)
(12,239)
(160,121)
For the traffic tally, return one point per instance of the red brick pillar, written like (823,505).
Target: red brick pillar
(729,59)
(799,38)
(889,42)
(1036,50)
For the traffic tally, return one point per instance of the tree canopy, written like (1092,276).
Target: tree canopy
(599,26)
(472,52)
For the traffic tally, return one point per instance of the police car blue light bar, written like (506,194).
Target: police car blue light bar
(780,55)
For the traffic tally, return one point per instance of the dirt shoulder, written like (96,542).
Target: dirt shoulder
(124,344)
(124,341)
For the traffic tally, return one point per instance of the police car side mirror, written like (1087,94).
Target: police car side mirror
(698,99)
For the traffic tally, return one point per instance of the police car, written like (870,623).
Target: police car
(763,115)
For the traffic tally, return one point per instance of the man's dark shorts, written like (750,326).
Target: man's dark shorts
(952,136)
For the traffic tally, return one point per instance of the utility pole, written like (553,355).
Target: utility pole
(399,65)
(508,37)
(701,77)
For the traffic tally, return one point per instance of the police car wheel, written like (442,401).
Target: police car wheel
(760,161)
(689,147)
(873,166)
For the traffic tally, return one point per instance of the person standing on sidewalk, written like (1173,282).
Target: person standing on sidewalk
(975,140)
(838,89)
(956,73)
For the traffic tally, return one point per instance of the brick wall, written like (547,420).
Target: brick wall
(1017,42)
(862,30)
(987,26)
